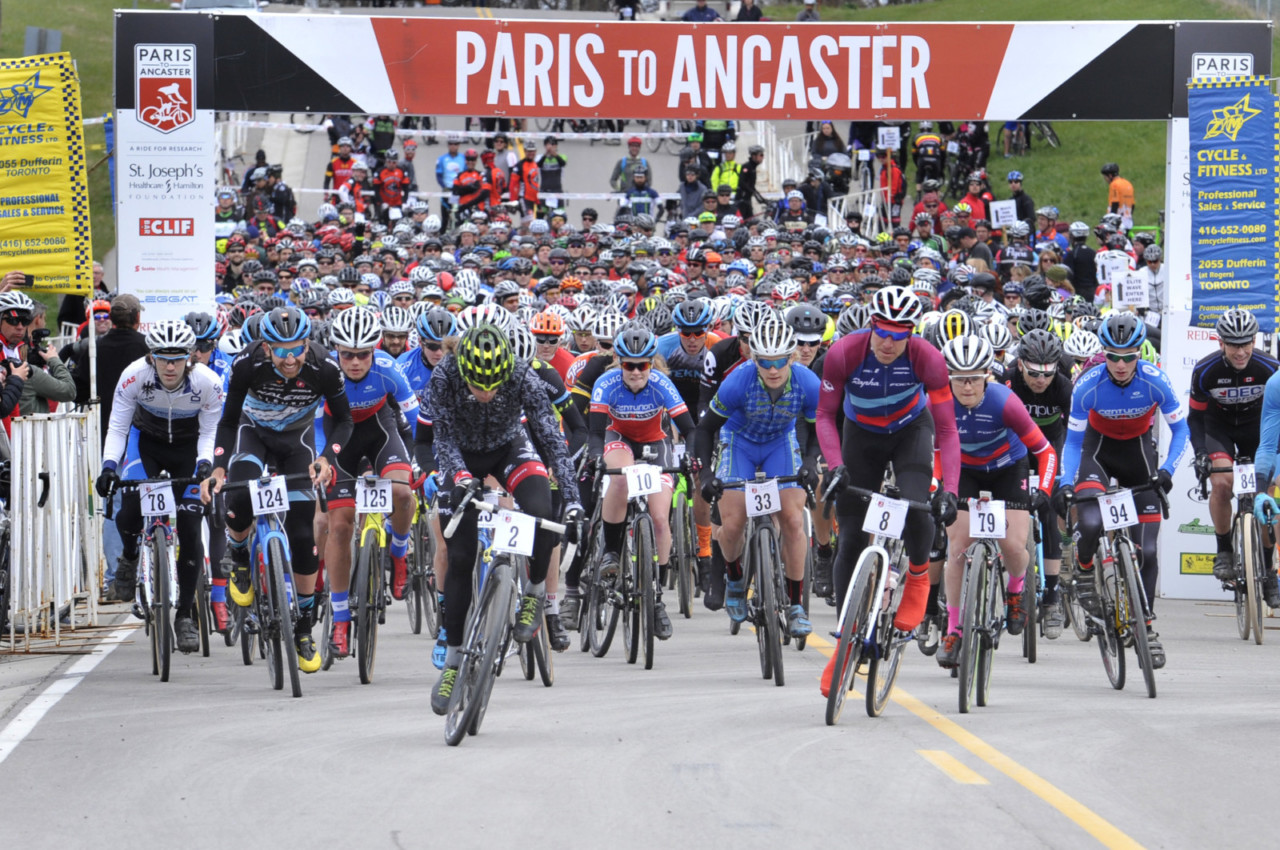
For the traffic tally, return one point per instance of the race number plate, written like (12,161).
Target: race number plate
(1118,510)
(762,497)
(987,519)
(373,497)
(269,497)
(157,499)
(513,532)
(1245,480)
(885,516)
(643,479)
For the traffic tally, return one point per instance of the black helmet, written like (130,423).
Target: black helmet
(349,274)
(1033,320)
(806,319)
(285,324)
(1036,293)
(1111,169)
(1040,346)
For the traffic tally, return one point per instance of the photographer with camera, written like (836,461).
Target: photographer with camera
(49,379)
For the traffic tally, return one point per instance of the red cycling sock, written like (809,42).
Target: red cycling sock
(914,598)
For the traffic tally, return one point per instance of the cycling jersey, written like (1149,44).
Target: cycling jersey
(753,414)
(1265,460)
(637,416)
(462,424)
(417,374)
(726,356)
(369,394)
(266,400)
(1047,409)
(1122,413)
(687,371)
(1222,392)
(188,414)
(998,432)
(589,369)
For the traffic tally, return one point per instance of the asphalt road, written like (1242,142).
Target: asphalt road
(699,750)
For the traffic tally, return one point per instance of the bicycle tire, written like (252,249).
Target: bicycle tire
(275,551)
(160,606)
(807,594)
(1075,614)
(974,596)
(760,599)
(603,612)
(543,124)
(324,610)
(993,622)
(681,542)
(856,609)
(490,617)
(629,586)
(525,653)
(1256,572)
(882,672)
(429,593)
(505,573)
(1112,651)
(1030,631)
(247,634)
(647,567)
(1240,587)
(775,609)
(1046,131)
(204,622)
(368,584)
(542,657)
(1137,617)
(268,624)
(413,602)
(153,638)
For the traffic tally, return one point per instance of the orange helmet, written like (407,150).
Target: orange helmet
(547,323)
(97,307)
(570,284)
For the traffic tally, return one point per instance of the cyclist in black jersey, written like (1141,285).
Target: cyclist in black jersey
(1225,416)
(479,399)
(269,421)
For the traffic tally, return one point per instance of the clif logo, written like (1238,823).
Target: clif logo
(166,78)
(166,226)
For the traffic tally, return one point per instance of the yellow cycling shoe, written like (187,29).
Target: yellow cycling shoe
(240,585)
(309,660)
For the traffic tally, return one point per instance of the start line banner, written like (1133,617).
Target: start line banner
(1235,154)
(44,189)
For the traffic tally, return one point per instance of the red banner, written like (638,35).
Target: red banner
(674,70)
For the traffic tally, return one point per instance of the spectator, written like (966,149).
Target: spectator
(640,196)
(283,204)
(1156,277)
(117,349)
(551,171)
(72,309)
(1082,260)
(889,182)
(973,249)
(826,142)
(749,12)
(503,156)
(259,161)
(49,381)
(746,194)
(714,132)
(727,170)
(448,166)
(495,176)
(1119,191)
(338,172)
(700,14)
(624,172)
(691,194)
(810,12)
(407,164)
(525,185)
(391,186)
(1026,208)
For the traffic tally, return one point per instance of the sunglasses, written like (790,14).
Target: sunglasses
(546,339)
(205,345)
(1113,357)
(605,346)
(806,344)
(101,317)
(557,262)
(432,346)
(171,357)
(694,334)
(286,353)
(356,355)
(17,320)
(774,363)
(642,366)
(885,332)
(969,379)
(1042,373)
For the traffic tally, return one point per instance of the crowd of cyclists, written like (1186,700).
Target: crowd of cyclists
(516,350)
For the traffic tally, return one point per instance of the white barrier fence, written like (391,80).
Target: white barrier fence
(55,538)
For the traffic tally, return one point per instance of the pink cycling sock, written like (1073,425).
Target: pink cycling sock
(1015,584)
(953,619)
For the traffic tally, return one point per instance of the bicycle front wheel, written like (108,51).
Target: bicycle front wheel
(204,618)
(1030,631)
(284,613)
(682,543)
(975,600)
(646,564)
(770,606)
(855,614)
(601,602)
(882,672)
(1046,131)
(1255,569)
(161,628)
(487,626)
(368,584)
(1137,617)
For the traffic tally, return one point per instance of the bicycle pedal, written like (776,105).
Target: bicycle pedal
(138,611)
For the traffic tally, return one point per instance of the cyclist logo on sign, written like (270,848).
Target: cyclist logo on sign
(165,93)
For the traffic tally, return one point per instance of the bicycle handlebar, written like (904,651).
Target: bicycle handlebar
(837,484)
(741,483)
(477,504)
(1093,495)
(321,498)
(108,504)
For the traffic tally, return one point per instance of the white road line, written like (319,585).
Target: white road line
(20,727)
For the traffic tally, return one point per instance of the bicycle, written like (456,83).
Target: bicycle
(490,620)
(632,591)
(864,630)
(369,591)
(154,594)
(1032,592)
(1045,131)
(420,593)
(275,606)
(982,601)
(1123,601)
(1246,539)
(766,588)
(4,548)
(684,540)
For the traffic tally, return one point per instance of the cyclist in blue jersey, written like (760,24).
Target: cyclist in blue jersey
(1108,436)
(996,434)
(380,434)
(764,415)
(1265,466)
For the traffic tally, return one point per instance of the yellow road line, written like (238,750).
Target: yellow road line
(1081,815)
(953,767)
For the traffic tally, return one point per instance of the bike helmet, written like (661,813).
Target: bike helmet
(1082,345)
(547,323)
(342,297)
(786,290)
(1122,330)
(503,289)
(396,320)
(807,321)
(1040,347)
(231,344)
(999,335)
(1032,320)
(747,315)
(252,330)
(1078,230)
(772,337)
(357,328)
(855,317)
(693,315)
(204,326)
(635,341)
(435,324)
(1235,326)
(955,323)
(968,354)
(484,356)
(171,335)
(491,314)
(285,324)
(896,305)
(607,325)
(523,345)
(1153,254)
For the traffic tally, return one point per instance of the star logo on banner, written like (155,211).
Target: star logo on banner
(19,97)
(1228,120)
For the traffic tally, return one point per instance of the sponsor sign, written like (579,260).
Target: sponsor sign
(44,192)
(1233,126)
(165,77)
(1196,564)
(166,226)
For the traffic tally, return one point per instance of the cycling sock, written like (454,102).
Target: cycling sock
(953,619)
(341,608)
(1224,542)
(824,549)
(734,569)
(1085,566)
(1050,583)
(1016,584)
(399,545)
(218,590)
(664,573)
(613,532)
(539,589)
(306,612)
(704,541)
(453,657)
(931,607)
(795,591)
(914,595)
(553,604)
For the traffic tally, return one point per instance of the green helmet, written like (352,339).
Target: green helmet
(485,359)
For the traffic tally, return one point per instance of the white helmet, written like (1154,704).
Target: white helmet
(341,296)
(748,315)
(431,224)
(467,284)
(15,300)
(485,314)
(772,337)
(356,328)
(522,344)
(896,304)
(402,287)
(968,354)
(607,324)
(1082,344)
(231,344)
(171,335)
(397,320)
(999,335)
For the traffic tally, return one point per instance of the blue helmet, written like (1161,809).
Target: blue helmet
(635,341)
(436,324)
(285,324)
(694,314)
(1122,330)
